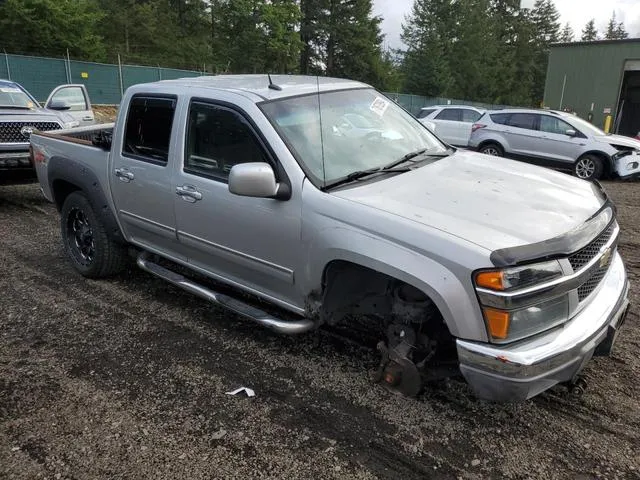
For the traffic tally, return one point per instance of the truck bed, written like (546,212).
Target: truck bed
(84,149)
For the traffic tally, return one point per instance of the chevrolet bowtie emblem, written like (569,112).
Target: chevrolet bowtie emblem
(605,258)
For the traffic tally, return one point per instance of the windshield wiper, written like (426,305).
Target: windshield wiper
(357,175)
(15,107)
(417,153)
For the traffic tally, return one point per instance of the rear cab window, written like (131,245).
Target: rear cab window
(499,118)
(425,112)
(526,121)
(148,128)
(454,114)
(470,116)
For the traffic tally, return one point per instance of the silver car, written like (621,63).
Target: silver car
(555,139)
(452,123)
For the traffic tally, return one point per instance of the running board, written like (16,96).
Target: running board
(252,313)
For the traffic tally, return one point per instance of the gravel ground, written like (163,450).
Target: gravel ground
(126,378)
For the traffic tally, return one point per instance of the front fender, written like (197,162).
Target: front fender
(458,306)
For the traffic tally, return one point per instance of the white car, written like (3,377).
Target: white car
(452,122)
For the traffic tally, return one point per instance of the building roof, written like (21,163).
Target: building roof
(597,42)
(290,85)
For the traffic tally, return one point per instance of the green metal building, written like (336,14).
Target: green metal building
(597,80)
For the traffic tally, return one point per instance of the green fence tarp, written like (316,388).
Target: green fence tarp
(41,75)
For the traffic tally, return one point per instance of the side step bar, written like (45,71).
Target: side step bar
(255,314)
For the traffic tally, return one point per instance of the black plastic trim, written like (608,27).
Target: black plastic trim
(556,247)
(75,173)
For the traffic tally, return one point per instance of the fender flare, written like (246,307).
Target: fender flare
(74,173)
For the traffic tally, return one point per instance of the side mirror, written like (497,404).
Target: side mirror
(58,105)
(256,179)
(571,133)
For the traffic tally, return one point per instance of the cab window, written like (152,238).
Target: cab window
(148,129)
(217,139)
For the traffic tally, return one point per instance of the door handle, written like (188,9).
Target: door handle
(189,193)
(124,174)
(88,118)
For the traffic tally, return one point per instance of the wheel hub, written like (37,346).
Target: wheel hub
(585,168)
(82,233)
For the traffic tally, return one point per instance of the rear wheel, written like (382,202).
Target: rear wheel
(85,239)
(492,149)
(589,167)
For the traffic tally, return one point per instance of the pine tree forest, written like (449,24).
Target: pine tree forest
(482,50)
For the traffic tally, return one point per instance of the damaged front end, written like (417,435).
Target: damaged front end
(626,164)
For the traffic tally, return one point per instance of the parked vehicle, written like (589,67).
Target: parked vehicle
(556,139)
(453,122)
(505,272)
(20,114)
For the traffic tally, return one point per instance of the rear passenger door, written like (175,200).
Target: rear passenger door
(447,123)
(251,242)
(523,135)
(140,174)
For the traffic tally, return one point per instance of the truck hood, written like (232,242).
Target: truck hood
(35,114)
(619,140)
(492,202)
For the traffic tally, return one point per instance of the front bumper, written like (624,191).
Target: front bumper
(525,369)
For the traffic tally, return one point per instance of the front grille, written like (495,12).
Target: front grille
(590,285)
(584,256)
(10,131)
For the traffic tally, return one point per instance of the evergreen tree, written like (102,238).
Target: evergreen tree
(590,34)
(546,25)
(567,34)
(612,28)
(621,33)
(615,31)
(426,33)
(51,27)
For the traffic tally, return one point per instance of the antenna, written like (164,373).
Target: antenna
(272,85)
(324,175)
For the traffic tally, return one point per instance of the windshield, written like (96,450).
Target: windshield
(584,125)
(334,134)
(11,96)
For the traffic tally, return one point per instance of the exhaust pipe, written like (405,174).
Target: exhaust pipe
(237,306)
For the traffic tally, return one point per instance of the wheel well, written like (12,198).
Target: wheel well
(487,142)
(606,160)
(61,190)
(352,289)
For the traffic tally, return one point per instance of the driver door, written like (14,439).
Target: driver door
(251,242)
(76,98)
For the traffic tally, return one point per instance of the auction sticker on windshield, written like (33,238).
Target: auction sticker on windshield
(379,106)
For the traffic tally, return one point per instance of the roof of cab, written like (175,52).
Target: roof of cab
(290,85)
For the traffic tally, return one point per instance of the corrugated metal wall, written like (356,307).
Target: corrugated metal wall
(41,75)
(593,75)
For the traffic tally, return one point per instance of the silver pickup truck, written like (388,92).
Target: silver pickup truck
(302,201)
(68,106)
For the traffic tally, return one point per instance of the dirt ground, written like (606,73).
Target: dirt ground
(126,378)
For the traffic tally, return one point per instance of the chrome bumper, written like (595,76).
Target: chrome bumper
(520,371)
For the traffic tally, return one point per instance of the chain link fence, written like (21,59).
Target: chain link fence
(107,82)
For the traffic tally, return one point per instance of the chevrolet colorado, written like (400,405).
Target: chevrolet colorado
(251,192)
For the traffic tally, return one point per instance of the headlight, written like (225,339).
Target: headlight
(519,277)
(72,124)
(508,326)
(512,323)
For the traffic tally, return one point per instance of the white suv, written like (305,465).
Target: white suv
(452,122)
